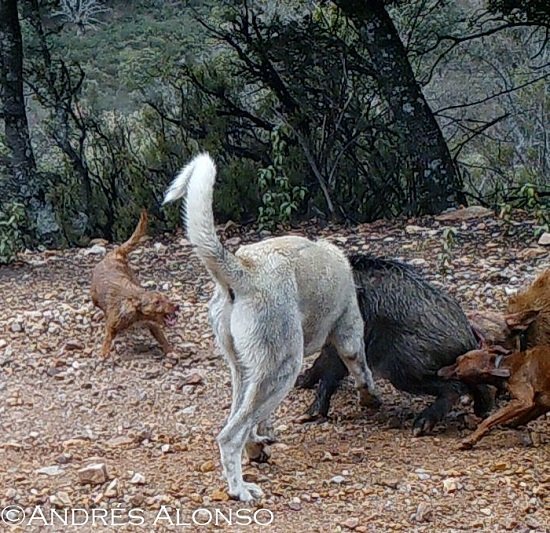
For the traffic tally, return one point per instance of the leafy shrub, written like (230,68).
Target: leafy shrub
(12,221)
(280,200)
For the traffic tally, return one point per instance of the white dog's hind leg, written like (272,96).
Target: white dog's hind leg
(347,338)
(257,402)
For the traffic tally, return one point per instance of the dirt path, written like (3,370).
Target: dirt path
(153,421)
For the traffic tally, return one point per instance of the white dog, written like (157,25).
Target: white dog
(274,302)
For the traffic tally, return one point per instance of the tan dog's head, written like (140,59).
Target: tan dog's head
(477,366)
(156,307)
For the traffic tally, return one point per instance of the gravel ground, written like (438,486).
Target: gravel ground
(152,421)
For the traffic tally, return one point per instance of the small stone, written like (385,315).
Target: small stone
(486,511)
(219,496)
(499,467)
(159,247)
(533,523)
(295,504)
(61,499)
(390,483)
(112,489)
(351,523)
(138,479)
(165,448)
(93,474)
(411,229)
(194,379)
(450,485)
(119,441)
(509,523)
(544,239)
(423,512)
(96,249)
(338,480)
(11,493)
(53,470)
(466,213)
(99,241)
(207,466)
(418,261)
(73,344)
(234,241)
(16,327)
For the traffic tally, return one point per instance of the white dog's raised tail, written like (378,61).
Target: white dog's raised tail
(196,181)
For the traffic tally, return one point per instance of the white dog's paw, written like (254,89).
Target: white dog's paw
(247,492)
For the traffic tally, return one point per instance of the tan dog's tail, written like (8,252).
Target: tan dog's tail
(139,232)
(196,180)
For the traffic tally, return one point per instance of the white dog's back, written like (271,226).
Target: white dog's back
(319,271)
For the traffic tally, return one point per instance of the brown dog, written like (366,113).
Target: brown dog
(526,376)
(116,290)
(529,312)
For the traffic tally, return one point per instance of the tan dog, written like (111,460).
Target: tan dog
(116,290)
(529,311)
(526,376)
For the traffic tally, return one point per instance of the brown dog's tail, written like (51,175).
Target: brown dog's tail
(139,232)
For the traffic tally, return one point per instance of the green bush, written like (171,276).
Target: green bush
(12,222)
(280,200)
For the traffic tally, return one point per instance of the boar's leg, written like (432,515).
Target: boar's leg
(447,394)
(321,366)
(328,370)
(483,400)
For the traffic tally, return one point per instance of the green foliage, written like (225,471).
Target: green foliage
(445,256)
(280,200)
(528,198)
(283,95)
(12,223)
(533,204)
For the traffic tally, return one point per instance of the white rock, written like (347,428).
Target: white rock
(423,512)
(53,470)
(94,474)
(544,239)
(138,479)
(418,261)
(450,485)
(96,249)
(414,229)
(338,480)
(112,490)
(467,213)
(61,499)
(159,247)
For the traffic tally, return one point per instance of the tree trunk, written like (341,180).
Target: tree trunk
(21,183)
(435,183)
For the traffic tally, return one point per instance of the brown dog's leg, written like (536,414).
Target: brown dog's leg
(109,336)
(157,332)
(515,409)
